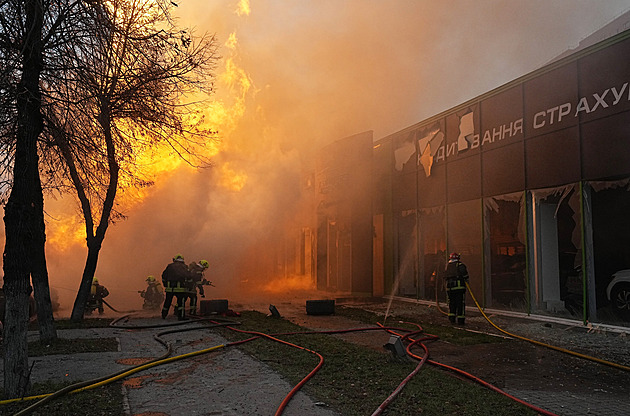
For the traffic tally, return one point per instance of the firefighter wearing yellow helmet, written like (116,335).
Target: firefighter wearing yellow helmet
(153,295)
(174,279)
(95,299)
(196,284)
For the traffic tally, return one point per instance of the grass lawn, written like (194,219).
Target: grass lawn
(355,380)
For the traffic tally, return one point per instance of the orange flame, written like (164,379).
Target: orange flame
(289,284)
(159,163)
(232,180)
(65,231)
(243,8)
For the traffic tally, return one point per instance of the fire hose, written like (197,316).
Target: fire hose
(90,384)
(456,370)
(398,389)
(107,379)
(542,344)
(101,381)
(476,379)
(393,395)
(162,360)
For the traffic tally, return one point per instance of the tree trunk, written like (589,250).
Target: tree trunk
(24,210)
(95,239)
(41,289)
(78,309)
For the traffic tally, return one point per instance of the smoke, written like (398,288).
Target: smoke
(299,75)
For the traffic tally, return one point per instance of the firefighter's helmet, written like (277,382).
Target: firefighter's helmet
(204,264)
(151,279)
(454,256)
(94,281)
(178,257)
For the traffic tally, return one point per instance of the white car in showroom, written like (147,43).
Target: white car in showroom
(618,293)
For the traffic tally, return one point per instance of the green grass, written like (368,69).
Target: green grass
(355,380)
(72,346)
(451,334)
(101,401)
(68,324)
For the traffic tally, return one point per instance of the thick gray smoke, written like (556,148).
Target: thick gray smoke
(319,71)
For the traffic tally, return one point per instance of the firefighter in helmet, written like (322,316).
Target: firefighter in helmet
(196,283)
(95,299)
(153,295)
(174,279)
(456,277)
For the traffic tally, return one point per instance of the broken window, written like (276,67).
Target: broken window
(433,253)
(464,231)
(405,282)
(610,209)
(504,219)
(557,278)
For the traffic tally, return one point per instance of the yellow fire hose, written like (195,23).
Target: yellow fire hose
(116,377)
(542,344)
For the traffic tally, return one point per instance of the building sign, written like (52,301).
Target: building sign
(430,146)
(610,97)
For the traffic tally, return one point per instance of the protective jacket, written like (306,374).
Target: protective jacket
(197,279)
(98,291)
(456,276)
(153,296)
(95,299)
(175,276)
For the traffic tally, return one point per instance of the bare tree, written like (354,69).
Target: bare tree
(123,90)
(86,83)
(24,223)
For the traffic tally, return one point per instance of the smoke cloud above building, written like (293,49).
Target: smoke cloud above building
(296,76)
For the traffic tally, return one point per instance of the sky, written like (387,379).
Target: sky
(338,67)
(296,75)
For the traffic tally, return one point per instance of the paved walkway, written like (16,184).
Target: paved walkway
(225,382)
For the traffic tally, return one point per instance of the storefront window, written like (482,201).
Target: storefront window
(505,251)
(405,281)
(611,249)
(557,279)
(433,253)
(464,230)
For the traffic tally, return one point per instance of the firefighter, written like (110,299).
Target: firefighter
(456,277)
(174,279)
(196,283)
(153,295)
(95,300)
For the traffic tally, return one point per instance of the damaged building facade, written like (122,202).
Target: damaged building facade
(530,182)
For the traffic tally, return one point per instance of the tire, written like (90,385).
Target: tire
(620,299)
(320,307)
(214,306)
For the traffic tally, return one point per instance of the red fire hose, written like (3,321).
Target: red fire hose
(471,377)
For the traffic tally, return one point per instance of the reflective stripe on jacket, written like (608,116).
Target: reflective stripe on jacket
(456,275)
(175,287)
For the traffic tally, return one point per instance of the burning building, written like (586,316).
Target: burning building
(530,182)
